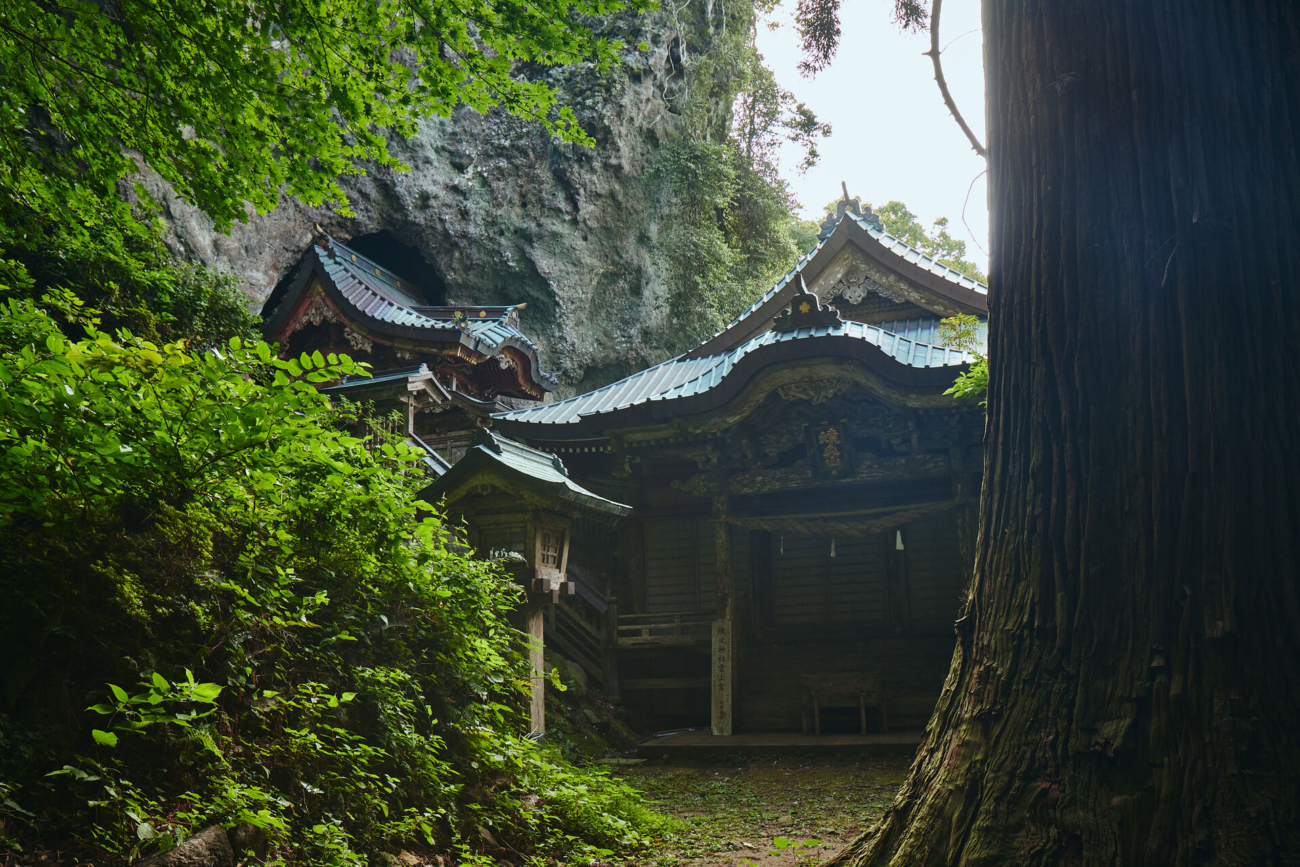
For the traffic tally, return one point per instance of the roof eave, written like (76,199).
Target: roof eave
(929,384)
(554,495)
(971,301)
(294,303)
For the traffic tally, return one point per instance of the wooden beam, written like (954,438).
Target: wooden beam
(868,470)
(723,667)
(865,526)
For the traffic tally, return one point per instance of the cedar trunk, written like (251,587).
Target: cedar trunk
(1126,683)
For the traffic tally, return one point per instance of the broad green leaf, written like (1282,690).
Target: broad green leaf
(108,739)
(206,692)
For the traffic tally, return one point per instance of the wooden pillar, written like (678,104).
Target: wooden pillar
(535,613)
(760,558)
(723,660)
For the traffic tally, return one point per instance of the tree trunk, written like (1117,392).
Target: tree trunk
(1126,685)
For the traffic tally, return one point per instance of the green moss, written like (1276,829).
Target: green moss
(727,812)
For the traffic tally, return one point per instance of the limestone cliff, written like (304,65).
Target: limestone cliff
(505,214)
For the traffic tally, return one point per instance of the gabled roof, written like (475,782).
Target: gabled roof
(385,307)
(658,389)
(950,290)
(533,471)
(679,385)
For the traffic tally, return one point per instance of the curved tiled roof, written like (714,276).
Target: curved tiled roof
(683,377)
(908,253)
(539,471)
(889,250)
(389,304)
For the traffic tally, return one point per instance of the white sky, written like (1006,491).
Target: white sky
(892,136)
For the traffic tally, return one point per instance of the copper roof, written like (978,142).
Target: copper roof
(683,377)
(389,306)
(865,230)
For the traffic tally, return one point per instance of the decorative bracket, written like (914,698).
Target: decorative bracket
(806,311)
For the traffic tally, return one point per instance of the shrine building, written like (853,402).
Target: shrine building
(771,532)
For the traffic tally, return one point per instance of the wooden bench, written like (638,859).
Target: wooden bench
(827,691)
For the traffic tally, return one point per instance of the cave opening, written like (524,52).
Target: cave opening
(405,261)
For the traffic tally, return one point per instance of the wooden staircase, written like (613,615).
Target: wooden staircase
(572,635)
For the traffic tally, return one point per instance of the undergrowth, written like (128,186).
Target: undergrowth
(222,608)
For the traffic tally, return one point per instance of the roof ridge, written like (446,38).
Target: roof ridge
(335,242)
(874,226)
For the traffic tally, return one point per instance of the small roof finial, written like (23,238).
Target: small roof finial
(844,185)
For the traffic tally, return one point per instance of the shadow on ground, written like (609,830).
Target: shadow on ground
(771,812)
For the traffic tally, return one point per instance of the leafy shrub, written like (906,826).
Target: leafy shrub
(223,608)
(963,332)
(118,265)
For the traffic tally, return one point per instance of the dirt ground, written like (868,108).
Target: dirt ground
(773,812)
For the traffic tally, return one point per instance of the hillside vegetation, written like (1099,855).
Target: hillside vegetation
(222,608)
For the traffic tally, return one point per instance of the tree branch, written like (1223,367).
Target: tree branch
(933,54)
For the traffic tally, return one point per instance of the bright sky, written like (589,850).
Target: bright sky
(892,136)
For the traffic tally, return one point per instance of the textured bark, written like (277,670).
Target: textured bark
(1126,685)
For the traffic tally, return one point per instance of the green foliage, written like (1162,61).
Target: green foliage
(765,114)
(818,22)
(937,243)
(963,332)
(237,101)
(124,274)
(311,653)
(730,229)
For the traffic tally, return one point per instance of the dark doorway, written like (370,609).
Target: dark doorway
(403,260)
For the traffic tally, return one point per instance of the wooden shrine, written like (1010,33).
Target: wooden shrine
(444,369)
(338,300)
(520,506)
(803,496)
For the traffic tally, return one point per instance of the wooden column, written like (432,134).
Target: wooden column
(723,661)
(535,613)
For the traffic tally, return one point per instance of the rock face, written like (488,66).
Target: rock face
(505,214)
(208,848)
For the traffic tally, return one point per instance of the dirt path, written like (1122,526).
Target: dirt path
(765,812)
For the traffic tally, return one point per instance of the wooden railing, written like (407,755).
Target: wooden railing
(664,629)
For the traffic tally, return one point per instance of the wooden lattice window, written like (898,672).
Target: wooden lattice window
(550,551)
